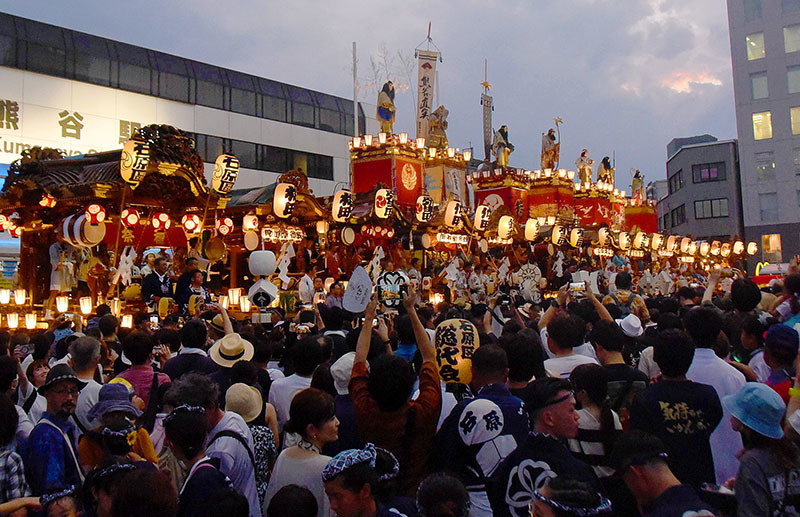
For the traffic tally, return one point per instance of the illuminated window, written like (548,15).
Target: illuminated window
(755,46)
(758,86)
(762,125)
(795,116)
(768,207)
(791,38)
(771,250)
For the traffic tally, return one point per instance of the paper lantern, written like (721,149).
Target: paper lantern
(738,248)
(705,248)
(481,221)
(95,213)
(752,248)
(692,248)
(47,201)
(384,199)
(576,237)
(716,247)
(725,250)
(403,138)
(284,200)
(224,226)
(30,320)
(133,161)
(244,304)
(531,229)
(62,303)
(130,217)
(656,241)
(127,321)
(342,206)
(624,241)
(455,341)
(602,236)
(116,306)
(226,170)
(368,140)
(234,293)
(356,142)
(467,155)
(191,223)
(424,209)
(452,213)
(13,320)
(505,227)
(19,296)
(86,305)
(322,227)
(558,235)
(672,243)
(250,222)
(420,143)
(161,221)
(685,243)
(640,240)
(223,301)
(382,137)
(261,263)
(5,296)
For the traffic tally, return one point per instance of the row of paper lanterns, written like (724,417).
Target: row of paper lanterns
(367,141)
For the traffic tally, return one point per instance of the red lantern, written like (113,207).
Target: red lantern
(48,201)
(224,225)
(130,217)
(14,230)
(95,214)
(161,221)
(191,223)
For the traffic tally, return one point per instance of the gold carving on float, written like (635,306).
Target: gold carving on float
(409,176)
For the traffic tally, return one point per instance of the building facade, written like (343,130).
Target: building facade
(765,52)
(703,199)
(81,93)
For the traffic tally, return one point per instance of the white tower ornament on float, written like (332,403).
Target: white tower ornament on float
(263,293)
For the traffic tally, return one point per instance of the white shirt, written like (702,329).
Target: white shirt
(709,369)
(760,367)
(647,364)
(283,391)
(563,366)
(585,349)
(24,425)
(448,402)
(86,399)
(234,459)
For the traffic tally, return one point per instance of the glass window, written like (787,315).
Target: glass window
(173,78)
(762,125)
(790,6)
(215,146)
(210,86)
(273,100)
(702,173)
(758,86)
(771,249)
(796,159)
(719,207)
(92,60)
(134,68)
(755,46)
(795,117)
(46,49)
(791,38)
(320,167)
(752,10)
(768,206)
(330,120)
(300,161)
(676,182)
(302,114)
(678,215)
(665,223)
(793,76)
(765,165)
(246,152)
(274,159)
(8,50)
(243,101)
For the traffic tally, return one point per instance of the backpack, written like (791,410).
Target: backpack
(625,308)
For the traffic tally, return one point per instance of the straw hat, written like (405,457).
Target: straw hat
(230,350)
(244,400)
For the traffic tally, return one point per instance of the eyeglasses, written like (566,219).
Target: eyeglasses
(66,391)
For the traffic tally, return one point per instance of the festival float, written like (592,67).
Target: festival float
(409,196)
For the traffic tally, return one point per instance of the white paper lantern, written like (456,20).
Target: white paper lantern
(384,203)
(686,242)
(640,240)
(531,229)
(133,161)
(261,263)
(250,222)
(191,223)
(226,170)
(705,248)
(576,237)
(284,199)
(424,209)
(656,241)
(342,206)
(624,241)
(482,214)
(752,248)
(738,248)
(558,235)
(505,227)
(452,214)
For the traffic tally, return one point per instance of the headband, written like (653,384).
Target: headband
(351,457)
(97,475)
(51,497)
(603,507)
(183,409)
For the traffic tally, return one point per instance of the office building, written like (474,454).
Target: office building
(765,52)
(81,93)
(703,200)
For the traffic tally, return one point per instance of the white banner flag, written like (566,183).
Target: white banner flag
(427,76)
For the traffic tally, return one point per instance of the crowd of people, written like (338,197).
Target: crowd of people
(611,398)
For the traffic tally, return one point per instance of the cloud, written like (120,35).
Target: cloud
(683,82)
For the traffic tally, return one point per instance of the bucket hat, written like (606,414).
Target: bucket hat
(58,373)
(244,400)
(758,407)
(231,349)
(113,397)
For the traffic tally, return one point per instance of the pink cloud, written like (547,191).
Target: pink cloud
(683,82)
